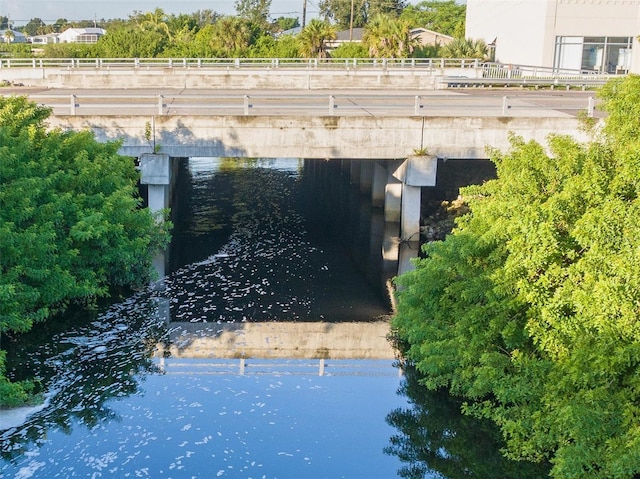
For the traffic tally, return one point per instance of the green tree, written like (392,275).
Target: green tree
(33,26)
(132,42)
(231,37)
(363,10)
(388,37)
(529,310)
(314,37)
(286,23)
(255,11)
(205,17)
(442,16)
(465,48)
(350,50)
(60,25)
(71,227)
(52,221)
(155,21)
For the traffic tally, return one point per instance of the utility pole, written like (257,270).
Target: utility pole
(304,13)
(351,23)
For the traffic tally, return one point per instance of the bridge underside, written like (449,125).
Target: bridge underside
(326,137)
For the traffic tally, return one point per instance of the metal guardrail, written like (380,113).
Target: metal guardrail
(307,105)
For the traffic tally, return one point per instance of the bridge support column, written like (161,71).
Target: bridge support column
(366,176)
(378,185)
(355,171)
(392,199)
(414,172)
(156,174)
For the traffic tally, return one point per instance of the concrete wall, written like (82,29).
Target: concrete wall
(525,30)
(518,28)
(245,78)
(319,137)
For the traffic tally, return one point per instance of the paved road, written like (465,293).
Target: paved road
(471,102)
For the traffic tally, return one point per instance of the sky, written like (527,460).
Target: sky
(21,11)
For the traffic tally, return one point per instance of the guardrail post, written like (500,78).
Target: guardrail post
(591,107)
(237,62)
(505,105)
(73,105)
(417,106)
(332,104)
(246,105)
(160,105)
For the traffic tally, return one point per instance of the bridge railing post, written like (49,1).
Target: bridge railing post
(417,106)
(72,105)
(505,105)
(332,104)
(246,105)
(160,105)
(591,107)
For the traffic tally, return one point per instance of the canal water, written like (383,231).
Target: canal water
(254,241)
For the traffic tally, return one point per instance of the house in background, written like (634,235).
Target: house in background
(45,39)
(597,36)
(12,36)
(429,37)
(424,37)
(81,35)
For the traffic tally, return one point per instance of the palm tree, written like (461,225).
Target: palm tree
(231,36)
(466,48)
(9,36)
(389,37)
(154,21)
(314,37)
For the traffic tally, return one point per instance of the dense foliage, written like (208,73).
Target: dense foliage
(530,309)
(207,34)
(71,226)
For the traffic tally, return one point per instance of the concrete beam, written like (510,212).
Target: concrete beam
(418,171)
(154,169)
(329,137)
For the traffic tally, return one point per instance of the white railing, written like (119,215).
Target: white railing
(240,63)
(310,104)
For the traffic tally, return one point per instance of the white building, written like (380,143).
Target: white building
(45,39)
(589,35)
(81,35)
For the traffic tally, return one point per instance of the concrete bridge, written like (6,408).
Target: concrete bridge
(396,130)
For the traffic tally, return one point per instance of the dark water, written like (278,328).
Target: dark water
(246,248)
(250,245)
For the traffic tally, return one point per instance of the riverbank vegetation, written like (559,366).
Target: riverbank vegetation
(250,33)
(530,309)
(71,226)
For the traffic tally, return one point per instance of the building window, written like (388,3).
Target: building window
(593,54)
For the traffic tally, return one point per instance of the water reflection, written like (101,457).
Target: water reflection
(86,366)
(435,440)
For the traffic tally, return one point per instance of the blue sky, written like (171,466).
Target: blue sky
(21,11)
